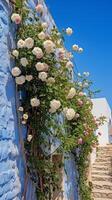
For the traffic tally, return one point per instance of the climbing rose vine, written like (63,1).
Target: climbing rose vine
(52,105)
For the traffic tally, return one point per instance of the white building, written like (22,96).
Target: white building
(102,108)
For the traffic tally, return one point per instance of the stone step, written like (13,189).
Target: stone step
(105,152)
(101,178)
(102,185)
(99,159)
(101,199)
(97,193)
(101,172)
(102,156)
(105,147)
(103,163)
(101,167)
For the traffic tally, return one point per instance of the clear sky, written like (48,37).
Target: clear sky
(91,21)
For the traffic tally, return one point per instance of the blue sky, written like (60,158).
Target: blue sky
(91,21)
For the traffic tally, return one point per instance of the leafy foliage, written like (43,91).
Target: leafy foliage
(75,135)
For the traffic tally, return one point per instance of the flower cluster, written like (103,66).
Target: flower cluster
(42,73)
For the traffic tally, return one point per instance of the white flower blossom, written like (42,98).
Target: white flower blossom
(38,52)
(20,80)
(75,47)
(69,31)
(29,138)
(21,109)
(44,25)
(46,67)
(29,77)
(69,64)
(49,46)
(20,44)
(80,50)
(24,122)
(35,102)
(39,8)
(71,93)
(42,76)
(70,114)
(54,105)
(24,62)
(29,43)
(16,18)
(40,66)
(42,35)
(16,71)
(25,116)
(15,53)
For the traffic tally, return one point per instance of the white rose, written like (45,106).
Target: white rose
(35,102)
(70,114)
(69,64)
(46,67)
(15,53)
(20,44)
(16,18)
(38,52)
(21,109)
(29,43)
(52,110)
(39,8)
(23,122)
(20,80)
(29,138)
(25,116)
(49,46)
(16,71)
(61,53)
(41,35)
(50,80)
(29,77)
(24,62)
(69,31)
(71,93)
(80,50)
(39,66)
(42,76)
(44,25)
(75,47)
(54,105)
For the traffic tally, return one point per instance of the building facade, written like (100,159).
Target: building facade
(14,184)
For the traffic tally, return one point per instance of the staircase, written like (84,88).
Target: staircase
(102,174)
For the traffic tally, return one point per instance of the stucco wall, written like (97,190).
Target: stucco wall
(102,108)
(12,167)
(11,164)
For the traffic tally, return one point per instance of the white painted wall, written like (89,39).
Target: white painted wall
(102,108)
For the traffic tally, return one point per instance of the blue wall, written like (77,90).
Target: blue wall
(11,162)
(12,167)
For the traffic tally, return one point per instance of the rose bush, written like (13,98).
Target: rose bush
(45,79)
